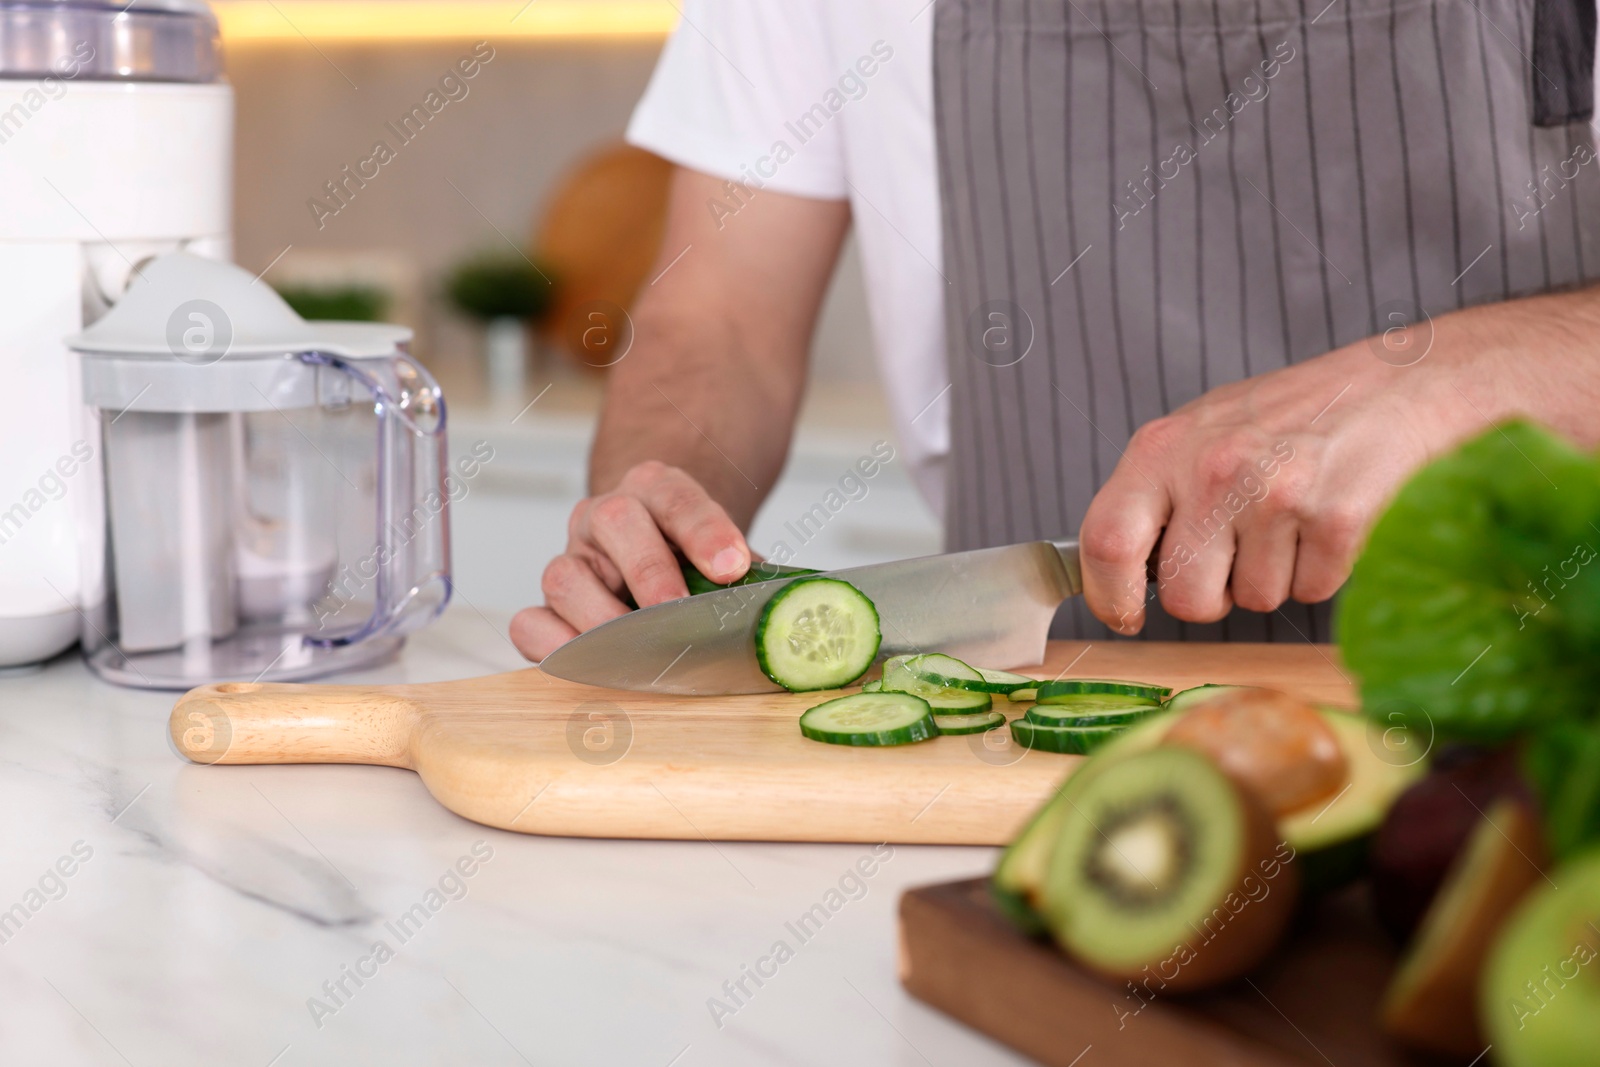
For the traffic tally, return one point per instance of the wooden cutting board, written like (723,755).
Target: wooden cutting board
(1312,1004)
(527,752)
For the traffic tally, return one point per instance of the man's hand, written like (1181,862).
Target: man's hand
(622,541)
(697,418)
(1265,489)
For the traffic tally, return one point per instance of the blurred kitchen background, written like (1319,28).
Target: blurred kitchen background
(524,176)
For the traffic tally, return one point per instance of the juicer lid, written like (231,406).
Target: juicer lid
(203,311)
(109,40)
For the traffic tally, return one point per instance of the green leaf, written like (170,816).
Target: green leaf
(1474,610)
(342,303)
(1562,762)
(494,285)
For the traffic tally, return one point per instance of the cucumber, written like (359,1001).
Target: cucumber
(1094,703)
(1069,689)
(873,719)
(1071,740)
(1121,714)
(872,686)
(1006,682)
(1029,692)
(1188,698)
(817,633)
(947,672)
(899,678)
(760,571)
(969,724)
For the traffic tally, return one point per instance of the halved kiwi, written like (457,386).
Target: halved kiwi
(1430,1003)
(1167,872)
(1540,995)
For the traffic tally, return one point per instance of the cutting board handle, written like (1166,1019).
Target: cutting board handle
(252,722)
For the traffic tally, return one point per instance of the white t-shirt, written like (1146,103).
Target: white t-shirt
(831,99)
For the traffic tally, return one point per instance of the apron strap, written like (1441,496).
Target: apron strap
(1563,61)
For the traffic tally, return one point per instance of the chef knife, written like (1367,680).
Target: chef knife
(991,607)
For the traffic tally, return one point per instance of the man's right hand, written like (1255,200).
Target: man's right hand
(624,541)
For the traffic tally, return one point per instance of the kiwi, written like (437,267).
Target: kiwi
(1540,995)
(1167,872)
(1430,1004)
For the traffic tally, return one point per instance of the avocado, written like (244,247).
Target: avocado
(1539,999)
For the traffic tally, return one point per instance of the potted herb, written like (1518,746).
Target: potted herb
(506,292)
(339,303)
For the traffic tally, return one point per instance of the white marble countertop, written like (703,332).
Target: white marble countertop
(207,906)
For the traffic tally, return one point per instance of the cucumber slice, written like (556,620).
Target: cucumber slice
(875,719)
(1005,681)
(1123,714)
(958,701)
(1029,692)
(1076,688)
(935,668)
(1188,698)
(898,677)
(817,633)
(969,724)
(947,672)
(1071,740)
(1091,704)
(873,686)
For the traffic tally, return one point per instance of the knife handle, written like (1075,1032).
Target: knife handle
(1068,551)
(252,722)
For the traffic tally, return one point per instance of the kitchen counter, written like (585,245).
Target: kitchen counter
(206,907)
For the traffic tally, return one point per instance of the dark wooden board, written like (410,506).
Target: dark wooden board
(1312,1005)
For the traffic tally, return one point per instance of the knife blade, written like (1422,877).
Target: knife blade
(990,606)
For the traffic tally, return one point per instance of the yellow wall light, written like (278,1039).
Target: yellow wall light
(244,21)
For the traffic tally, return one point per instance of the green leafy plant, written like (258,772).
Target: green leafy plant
(493,285)
(1475,607)
(341,303)
(1473,614)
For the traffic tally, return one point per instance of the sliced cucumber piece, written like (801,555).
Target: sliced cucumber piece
(898,677)
(1122,714)
(1188,698)
(1029,692)
(948,701)
(817,633)
(1005,681)
(1068,689)
(969,724)
(935,668)
(1072,740)
(873,686)
(947,672)
(875,719)
(1094,703)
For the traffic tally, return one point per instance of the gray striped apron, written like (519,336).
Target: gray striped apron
(1145,199)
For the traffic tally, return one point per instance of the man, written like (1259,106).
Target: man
(1200,278)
